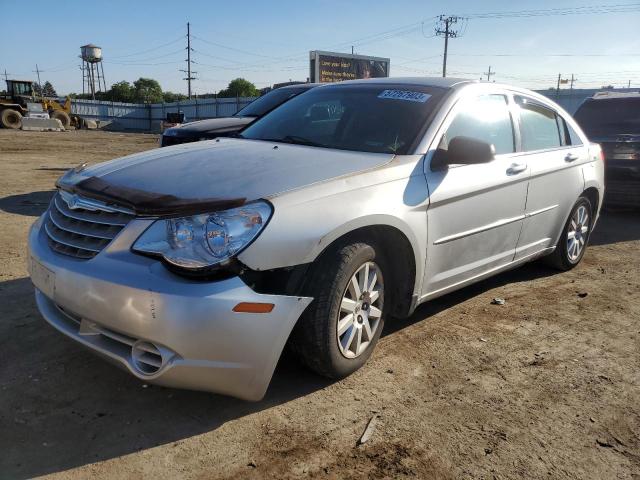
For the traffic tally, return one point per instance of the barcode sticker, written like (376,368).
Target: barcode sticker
(406,95)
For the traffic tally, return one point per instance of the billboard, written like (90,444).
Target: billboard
(327,67)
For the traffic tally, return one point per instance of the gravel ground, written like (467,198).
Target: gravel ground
(545,386)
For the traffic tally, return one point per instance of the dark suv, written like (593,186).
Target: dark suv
(613,120)
(226,126)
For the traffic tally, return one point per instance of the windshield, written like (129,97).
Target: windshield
(268,102)
(609,117)
(380,118)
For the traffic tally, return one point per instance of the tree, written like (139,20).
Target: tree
(147,90)
(240,88)
(48,90)
(121,92)
(170,97)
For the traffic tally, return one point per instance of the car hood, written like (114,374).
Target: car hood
(209,125)
(213,175)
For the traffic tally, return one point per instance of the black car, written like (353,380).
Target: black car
(613,120)
(226,126)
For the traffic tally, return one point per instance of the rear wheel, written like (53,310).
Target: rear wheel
(574,238)
(63,117)
(338,332)
(11,118)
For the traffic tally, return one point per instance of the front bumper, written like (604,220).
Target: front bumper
(162,328)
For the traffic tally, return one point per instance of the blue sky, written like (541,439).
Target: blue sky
(268,42)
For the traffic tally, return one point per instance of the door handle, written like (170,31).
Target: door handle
(516,168)
(570,157)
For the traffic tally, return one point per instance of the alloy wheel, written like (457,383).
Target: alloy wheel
(360,310)
(578,233)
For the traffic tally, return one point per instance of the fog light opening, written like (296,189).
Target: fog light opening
(146,358)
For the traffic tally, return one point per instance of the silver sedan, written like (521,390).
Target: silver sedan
(192,266)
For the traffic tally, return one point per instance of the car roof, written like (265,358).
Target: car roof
(610,95)
(298,86)
(442,82)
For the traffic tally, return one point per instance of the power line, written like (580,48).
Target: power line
(584,10)
(151,49)
(141,60)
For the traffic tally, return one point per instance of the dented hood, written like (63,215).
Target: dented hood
(213,175)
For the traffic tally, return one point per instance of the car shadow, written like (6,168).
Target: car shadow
(62,407)
(616,225)
(29,204)
(525,273)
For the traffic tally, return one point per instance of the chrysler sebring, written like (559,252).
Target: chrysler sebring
(193,266)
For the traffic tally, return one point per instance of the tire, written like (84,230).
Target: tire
(567,255)
(315,337)
(63,117)
(11,119)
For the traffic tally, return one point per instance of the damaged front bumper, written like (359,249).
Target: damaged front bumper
(163,328)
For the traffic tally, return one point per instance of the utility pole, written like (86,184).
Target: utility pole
(39,82)
(628,83)
(489,73)
(351,49)
(188,70)
(571,87)
(6,77)
(445,29)
(558,86)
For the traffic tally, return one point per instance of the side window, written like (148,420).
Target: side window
(574,138)
(539,127)
(484,118)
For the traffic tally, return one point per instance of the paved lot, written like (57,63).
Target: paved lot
(546,386)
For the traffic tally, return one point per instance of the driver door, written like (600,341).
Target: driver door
(475,212)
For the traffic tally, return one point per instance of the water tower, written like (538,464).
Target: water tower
(92,70)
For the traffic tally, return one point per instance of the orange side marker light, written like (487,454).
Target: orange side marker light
(250,307)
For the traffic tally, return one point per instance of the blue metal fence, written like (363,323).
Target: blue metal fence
(148,117)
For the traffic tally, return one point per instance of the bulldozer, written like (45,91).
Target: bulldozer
(15,104)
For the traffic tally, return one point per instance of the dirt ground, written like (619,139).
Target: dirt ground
(545,386)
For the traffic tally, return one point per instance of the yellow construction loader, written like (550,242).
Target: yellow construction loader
(15,104)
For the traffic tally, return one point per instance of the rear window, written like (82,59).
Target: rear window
(268,102)
(613,116)
(379,118)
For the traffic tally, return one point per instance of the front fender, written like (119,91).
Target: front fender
(304,224)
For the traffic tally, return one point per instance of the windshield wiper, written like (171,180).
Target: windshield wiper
(300,141)
(292,139)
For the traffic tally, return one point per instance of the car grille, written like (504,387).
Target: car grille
(84,230)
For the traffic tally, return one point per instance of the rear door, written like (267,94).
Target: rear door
(475,211)
(554,153)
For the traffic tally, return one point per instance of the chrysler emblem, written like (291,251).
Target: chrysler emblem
(72,202)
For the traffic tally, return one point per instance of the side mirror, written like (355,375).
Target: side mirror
(463,151)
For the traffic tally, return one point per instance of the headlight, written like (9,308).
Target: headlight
(170,132)
(206,240)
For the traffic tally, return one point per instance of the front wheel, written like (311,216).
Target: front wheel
(11,118)
(338,332)
(63,116)
(574,238)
